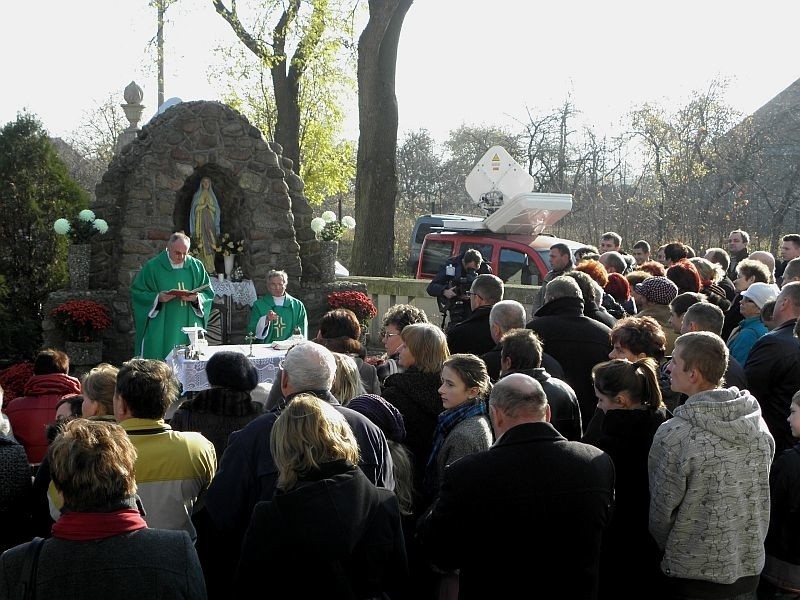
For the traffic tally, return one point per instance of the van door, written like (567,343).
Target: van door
(515,268)
(434,254)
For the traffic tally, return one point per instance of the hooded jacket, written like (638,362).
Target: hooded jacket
(709,487)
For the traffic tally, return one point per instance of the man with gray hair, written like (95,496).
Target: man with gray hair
(505,316)
(275,316)
(614,262)
(576,341)
(530,470)
(247,472)
(704,316)
(472,335)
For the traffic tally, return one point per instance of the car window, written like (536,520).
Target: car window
(423,230)
(434,254)
(485,249)
(515,268)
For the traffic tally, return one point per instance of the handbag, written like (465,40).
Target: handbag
(27,578)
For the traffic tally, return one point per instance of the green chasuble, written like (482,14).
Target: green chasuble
(292,314)
(158,326)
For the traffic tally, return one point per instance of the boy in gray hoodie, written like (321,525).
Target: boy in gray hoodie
(709,479)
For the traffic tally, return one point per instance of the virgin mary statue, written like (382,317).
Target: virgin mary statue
(204,222)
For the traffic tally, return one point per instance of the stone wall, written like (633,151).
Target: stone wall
(147,191)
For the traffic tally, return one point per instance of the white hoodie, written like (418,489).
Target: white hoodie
(709,487)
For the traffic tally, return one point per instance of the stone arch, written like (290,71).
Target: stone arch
(146,193)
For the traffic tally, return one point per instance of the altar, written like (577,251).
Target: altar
(192,373)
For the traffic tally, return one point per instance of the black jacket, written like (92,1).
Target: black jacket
(577,342)
(472,335)
(565,413)
(484,520)
(773,376)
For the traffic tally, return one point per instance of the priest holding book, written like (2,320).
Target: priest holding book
(171,291)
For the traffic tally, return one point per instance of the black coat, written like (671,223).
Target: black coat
(472,335)
(527,514)
(577,342)
(565,413)
(626,435)
(773,376)
(334,535)
(415,394)
(493,357)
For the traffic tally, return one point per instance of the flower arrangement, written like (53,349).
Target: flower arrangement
(81,319)
(227,246)
(82,229)
(358,302)
(13,380)
(328,228)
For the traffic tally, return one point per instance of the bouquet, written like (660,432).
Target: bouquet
(358,302)
(82,229)
(80,320)
(328,228)
(227,246)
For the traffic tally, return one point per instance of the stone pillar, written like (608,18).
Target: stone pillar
(133,108)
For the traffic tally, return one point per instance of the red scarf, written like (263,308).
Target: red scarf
(96,526)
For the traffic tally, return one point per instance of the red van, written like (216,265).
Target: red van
(517,259)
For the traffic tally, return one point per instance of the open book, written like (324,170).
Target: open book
(184,293)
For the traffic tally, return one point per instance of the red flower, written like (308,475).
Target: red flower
(80,319)
(13,380)
(358,302)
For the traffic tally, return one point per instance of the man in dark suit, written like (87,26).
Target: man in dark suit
(527,514)
(473,335)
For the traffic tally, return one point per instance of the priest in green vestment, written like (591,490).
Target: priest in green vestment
(159,311)
(274,317)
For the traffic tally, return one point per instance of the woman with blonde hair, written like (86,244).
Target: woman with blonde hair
(325,513)
(97,387)
(347,382)
(415,391)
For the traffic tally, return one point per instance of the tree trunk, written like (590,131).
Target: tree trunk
(376,168)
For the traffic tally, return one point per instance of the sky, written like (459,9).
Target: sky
(460,61)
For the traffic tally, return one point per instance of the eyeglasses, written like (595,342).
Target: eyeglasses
(384,334)
(470,293)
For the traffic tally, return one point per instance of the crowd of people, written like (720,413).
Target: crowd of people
(634,435)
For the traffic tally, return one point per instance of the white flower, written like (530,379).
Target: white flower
(349,222)
(317,224)
(61,226)
(328,216)
(100,225)
(86,215)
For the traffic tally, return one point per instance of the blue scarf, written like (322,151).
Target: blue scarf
(448,419)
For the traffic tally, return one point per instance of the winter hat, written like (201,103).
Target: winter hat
(382,413)
(657,289)
(232,370)
(760,293)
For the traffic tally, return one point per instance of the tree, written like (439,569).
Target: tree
(161,7)
(35,190)
(294,27)
(376,167)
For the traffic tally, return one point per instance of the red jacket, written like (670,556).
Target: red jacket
(30,414)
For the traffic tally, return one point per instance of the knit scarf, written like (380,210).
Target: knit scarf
(84,526)
(447,421)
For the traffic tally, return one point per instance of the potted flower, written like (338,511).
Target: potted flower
(229,249)
(83,229)
(80,231)
(329,229)
(358,302)
(81,321)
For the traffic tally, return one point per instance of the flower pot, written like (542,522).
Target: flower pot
(78,258)
(328,251)
(228,259)
(84,353)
